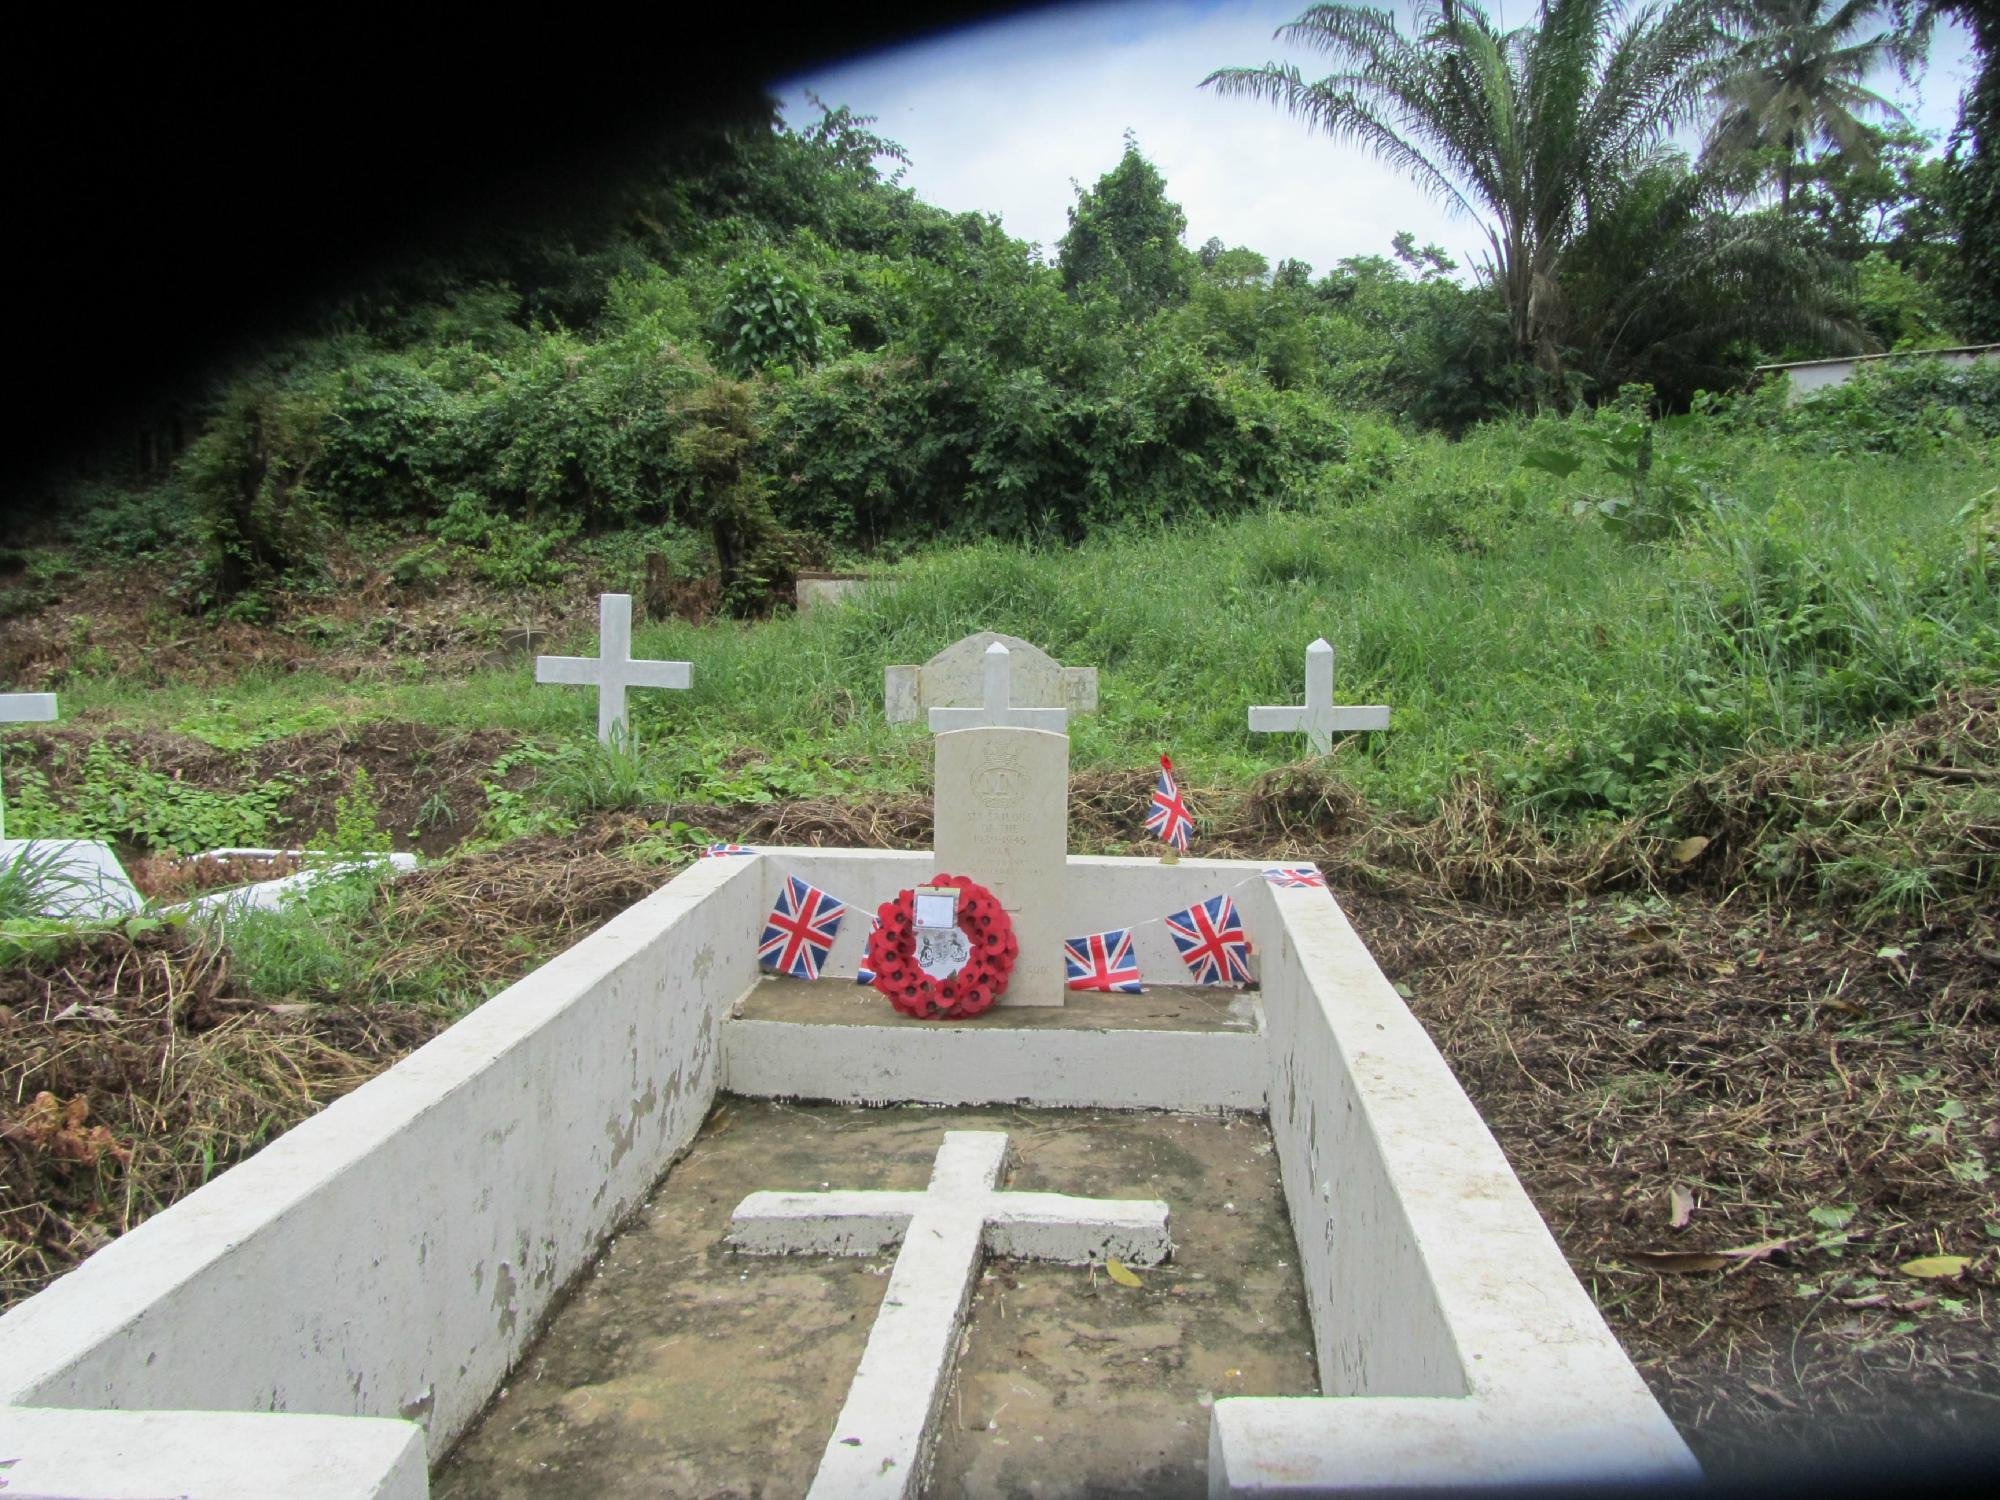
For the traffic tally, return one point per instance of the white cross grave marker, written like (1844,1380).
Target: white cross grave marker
(880,1441)
(998,709)
(1320,720)
(613,670)
(24,708)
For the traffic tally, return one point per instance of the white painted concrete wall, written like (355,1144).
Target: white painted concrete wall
(393,1255)
(205,1455)
(965,1063)
(1437,1294)
(1804,379)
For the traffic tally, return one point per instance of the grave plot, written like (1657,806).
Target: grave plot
(351,1298)
(683,1366)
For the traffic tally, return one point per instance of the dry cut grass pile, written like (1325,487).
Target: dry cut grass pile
(131,1071)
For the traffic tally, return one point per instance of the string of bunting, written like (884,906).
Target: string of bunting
(804,921)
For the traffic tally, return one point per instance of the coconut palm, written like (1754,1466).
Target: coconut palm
(1527,130)
(1796,81)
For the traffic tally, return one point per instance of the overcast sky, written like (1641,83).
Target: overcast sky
(1000,118)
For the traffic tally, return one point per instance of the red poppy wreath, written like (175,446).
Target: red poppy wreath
(989,932)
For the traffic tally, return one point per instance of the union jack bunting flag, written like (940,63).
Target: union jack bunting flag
(715,850)
(1170,818)
(864,974)
(799,933)
(1212,942)
(1295,875)
(1102,961)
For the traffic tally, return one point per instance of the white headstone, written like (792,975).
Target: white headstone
(1319,719)
(613,670)
(1002,819)
(956,678)
(879,1443)
(24,708)
(996,705)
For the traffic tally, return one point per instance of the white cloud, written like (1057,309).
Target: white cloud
(1000,118)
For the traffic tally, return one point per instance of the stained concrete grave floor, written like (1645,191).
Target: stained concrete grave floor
(680,1368)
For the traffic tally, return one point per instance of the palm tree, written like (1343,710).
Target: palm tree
(1528,130)
(1795,80)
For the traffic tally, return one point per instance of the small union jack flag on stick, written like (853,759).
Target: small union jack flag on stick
(1295,875)
(1170,818)
(1102,961)
(864,974)
(1212,941)
(716,851)
(799,933)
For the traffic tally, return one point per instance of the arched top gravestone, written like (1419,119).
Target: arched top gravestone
(955,678)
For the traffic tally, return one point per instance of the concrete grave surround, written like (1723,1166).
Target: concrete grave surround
(1318,719)
(385,1263)
(85,881)
(881,1442)
(1002,818)
(269,895)
(956,678)
(613,670)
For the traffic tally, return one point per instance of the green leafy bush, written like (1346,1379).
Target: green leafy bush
(766,318)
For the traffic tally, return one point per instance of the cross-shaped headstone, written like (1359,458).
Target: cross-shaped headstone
(24,708)
(878,1444)
(612,670)
(1320,720)
(997,709)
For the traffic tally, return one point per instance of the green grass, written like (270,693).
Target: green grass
(1579,668)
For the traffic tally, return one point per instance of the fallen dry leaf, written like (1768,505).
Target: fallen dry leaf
(1686,1262)
(1935,1265)
(1687,851)
(1678,1262)
(1681,1203)
(1121,1273)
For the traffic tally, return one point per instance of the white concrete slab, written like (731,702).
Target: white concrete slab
(82,879)
(269,895)
(967,1063)
(203,1455)
(880,1447)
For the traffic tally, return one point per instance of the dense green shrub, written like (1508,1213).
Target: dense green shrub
(245,475)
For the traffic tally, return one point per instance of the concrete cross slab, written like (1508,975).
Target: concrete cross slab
(613,669)
(881,1440)
(955,678)
(1319,719)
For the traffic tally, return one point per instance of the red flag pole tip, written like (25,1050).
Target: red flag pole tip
(1166,764)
